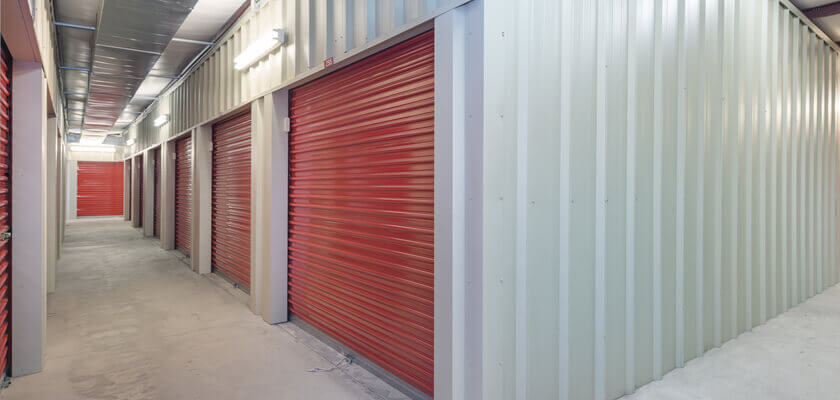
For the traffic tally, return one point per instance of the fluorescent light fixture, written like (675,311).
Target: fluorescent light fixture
(103,149)
(160,120)
(259,49)
(91,139)
(130,141)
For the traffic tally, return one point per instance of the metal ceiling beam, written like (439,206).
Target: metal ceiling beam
(128,49)
(199,42)
(823,11)
(76,26)
(74,68)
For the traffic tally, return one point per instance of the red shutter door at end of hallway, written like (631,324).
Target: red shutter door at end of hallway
(231,232)
(183,194)
(99,189)
(156,225)
(5,204)
(361,208)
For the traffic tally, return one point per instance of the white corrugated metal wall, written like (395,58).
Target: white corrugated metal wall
(660,178)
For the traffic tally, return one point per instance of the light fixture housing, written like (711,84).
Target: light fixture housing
(102,149)
(161,120)
(259,49)
(87,139)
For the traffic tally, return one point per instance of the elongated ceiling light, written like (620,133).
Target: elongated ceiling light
(130,141)
(159,121)
(259,49)
(103,149)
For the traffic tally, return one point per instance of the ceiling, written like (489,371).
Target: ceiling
(117,56)
(824,13)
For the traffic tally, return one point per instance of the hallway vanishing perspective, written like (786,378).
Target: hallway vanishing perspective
(419,199)
(131,321)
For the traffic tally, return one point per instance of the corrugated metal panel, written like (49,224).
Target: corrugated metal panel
(99,189)
(660,176)
(361,216)
(231,237)
(183,194)
(316,30)
(157,193)
(5,204)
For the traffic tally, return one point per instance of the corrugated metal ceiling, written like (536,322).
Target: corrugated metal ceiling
(117,56)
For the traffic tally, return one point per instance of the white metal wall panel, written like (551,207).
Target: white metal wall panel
(662,180)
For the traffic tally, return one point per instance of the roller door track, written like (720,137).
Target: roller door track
(183,194)
(361,215)
(99,189)
(156,225)
(231,236)
(5,204)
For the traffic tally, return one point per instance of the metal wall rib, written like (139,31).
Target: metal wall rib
(695,143)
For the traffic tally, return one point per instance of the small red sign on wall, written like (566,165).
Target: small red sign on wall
(328,62)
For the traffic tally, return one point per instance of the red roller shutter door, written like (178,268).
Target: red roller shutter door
(5,204)
(156,225)
(99,189)
(361,208)
(231,243)
(183,194)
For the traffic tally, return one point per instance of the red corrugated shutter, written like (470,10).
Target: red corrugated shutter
(140,185)
(361,215)
(183,194)
(157,193)
(5,204)
(231,249)
(99,189)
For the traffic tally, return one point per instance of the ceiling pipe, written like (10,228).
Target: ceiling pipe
(823,11)
(199,42)
(66,25)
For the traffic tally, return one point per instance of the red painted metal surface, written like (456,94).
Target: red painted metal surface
(361,215)
(156,225)
(140,186)
(183,194)
(5,206)
(231,243)
(99,189)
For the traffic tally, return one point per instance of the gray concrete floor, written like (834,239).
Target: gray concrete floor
(131,321)
(795,355)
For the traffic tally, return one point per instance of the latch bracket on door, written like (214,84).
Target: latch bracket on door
(5,236)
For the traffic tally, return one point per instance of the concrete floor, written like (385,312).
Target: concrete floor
(131,321)
(793,356)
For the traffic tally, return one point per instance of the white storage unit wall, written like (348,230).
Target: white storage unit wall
(659,177)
